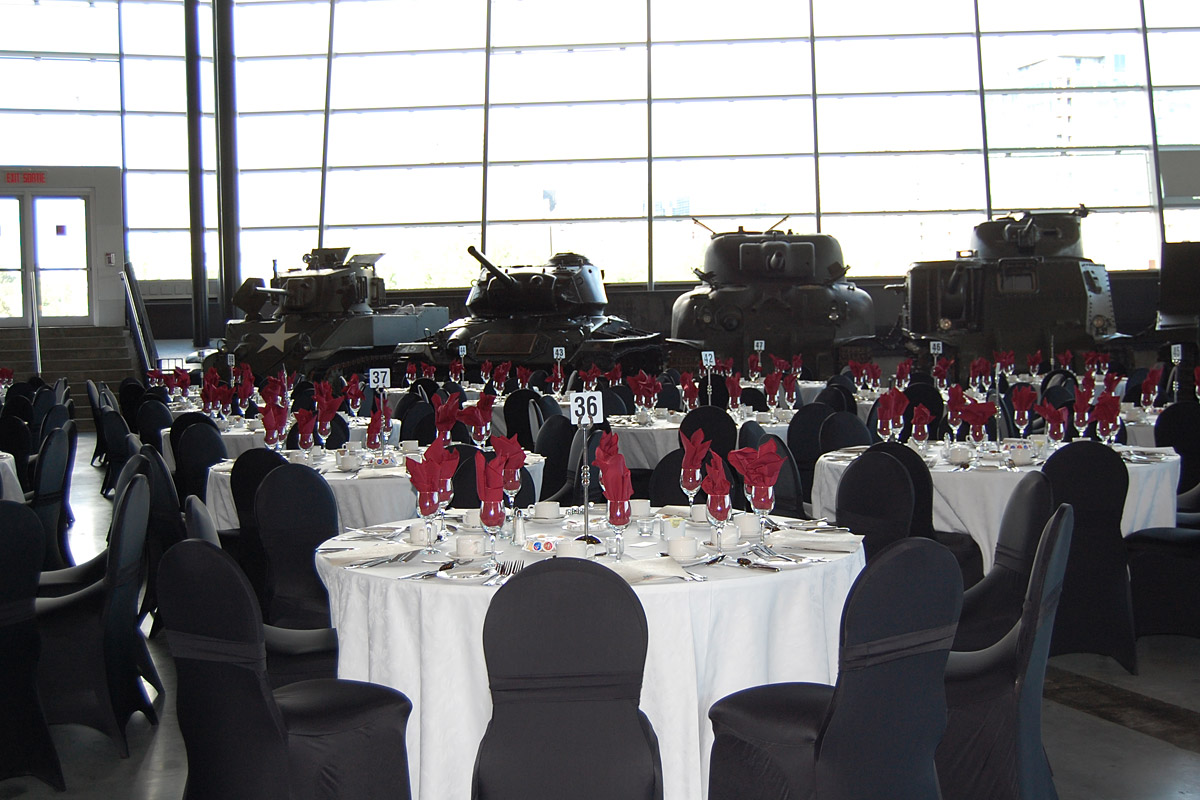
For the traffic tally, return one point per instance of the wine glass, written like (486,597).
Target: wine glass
(428,508)
(920,434)
(717,509)
(305,440)
(491,517)
(690,479)
(1057,431)
(885,427)
(762,501)
(355,404)
(512,485)
(480,433)
(445,493)
(1022,420)
(619,514)
(978,435)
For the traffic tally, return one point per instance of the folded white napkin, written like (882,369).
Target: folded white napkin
(815,541)
(637,570)
(364,550)
(675,511)
(383,472)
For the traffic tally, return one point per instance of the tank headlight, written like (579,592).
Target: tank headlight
(944,324)
(835,314)
(1100,323)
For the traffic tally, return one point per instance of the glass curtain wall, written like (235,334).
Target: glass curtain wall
(538,126)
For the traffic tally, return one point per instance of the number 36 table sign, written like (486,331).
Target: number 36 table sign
(587,408)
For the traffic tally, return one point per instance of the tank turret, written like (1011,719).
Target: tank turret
(569,285)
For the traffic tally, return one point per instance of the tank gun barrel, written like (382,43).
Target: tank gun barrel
(496,272)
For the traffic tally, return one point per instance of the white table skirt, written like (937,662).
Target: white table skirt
(973,501)
(739,629)
(645,445)
(10,482)
(361,501)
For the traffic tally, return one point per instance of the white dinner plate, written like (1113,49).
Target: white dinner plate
(465,575)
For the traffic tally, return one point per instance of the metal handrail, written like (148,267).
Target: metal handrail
(135,311)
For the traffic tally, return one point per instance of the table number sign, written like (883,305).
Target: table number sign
(560,353)
(760,345)
(935,348)
(462,351)
(231,360)
(708,359)
(379,378)
(587,408)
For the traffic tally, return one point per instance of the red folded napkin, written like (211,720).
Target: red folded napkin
(797,363)
(1052,415)
(1091,359)
(1064,359)
(211,377)
(1107,410)
(1150,384)
(892,404)
(245,385)
(614,375)
(592,373)
(978,413)
(523,374)
(272,390)
(980,367)
(873,371)
(941,370)
(556,375)
(607,450)
(305,421)
(222,395)
(152,375)
(1023,398)
(480,413)
(1034,362)
(381,419)
(734,384)
(429,370)
(904,370)
(183,378)
(436,466)
(695,449)
(760,465)
(274,417)
(411,371)
(1083,401)
(921,417)
(753,362)
(509,452)
(1111,380)
(445,412)
(485,370)
(778,364)
(1088,383)
(500,374)
(456,369)
(489,478)
(1003,358)
(327,404)
(956,400)
(715,482)
(789,383)
(354,390)
(856,369)
(725,365)
(618,488)
(771,385)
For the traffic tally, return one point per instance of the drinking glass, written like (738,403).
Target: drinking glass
(305,440)
(355,404)
(619,514)
(885,428)
(717,510)
(1022,420)
(428,508)
(445,493)
(491,517)
(1057,431)
(512,485)
(762,501)
(690,480)
(920,434)
(480,433)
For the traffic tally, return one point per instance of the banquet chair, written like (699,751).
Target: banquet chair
(293,654)
(550,408)
(789,490)
(18,405)
(1178,426)
(613,404)
(466,494)
(1095,614)
(992,606)
(323,738)
(152,418)
(962,545)
(303,397)
(55,418)
(664,488)
(583,446)
(296,511)
(410,423)
(116,447)
(1164,581)
(94,655)
(17,440)
(538,379)
(200,447)
(516,416)
(804,440)
(164,528)
(832,397)
(843,429)
(129,398)
(243,542)
(46,499)
(750,434)
(339,434)
(875,500)
(719,428)
(182,423)
(25,744)
(755,398)
(1059,377)
(670,398)
(427,387)
(992,746)
(720,392)
(405,404)
(570,678)
(925,394)
(793,740)
(623,391)
(554,443)
(20,389)
(43,401)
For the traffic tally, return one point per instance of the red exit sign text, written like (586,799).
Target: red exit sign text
(24,177)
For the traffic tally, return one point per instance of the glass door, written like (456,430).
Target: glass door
(12,284)
(60,259)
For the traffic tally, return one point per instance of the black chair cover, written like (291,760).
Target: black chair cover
(116,446)
(992,747)
(808,740)
(925,394)
(17,440)
(804,440)
(670,398)
(554,442)
(152,418)
(55,418)
(18,406)
(1164,579)
(185,421)
(613,404)
(719,428)
(165,528)
(322,739)
(93,654)
(720,392)
(571,491)
(550,407)
(833,397)
(516,416)
(750,434)
(1095,614)
(755,398)
(129,398)
(875,500)
(411,422)
(93,396)
(405,404)
(565,718)
(49,480)
(789,490)
(843,429)
(623,391)
(296,511)
(992,606)
(466,493)
(25,744)
(1178,426)
(200,447)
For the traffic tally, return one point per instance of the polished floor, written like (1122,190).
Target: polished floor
(1093,758)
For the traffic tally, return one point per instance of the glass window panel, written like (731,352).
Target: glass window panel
(617,248)
(1068,119)
(916,122)
(1161,13)
(675,20)
(405,137)
(732,127)
(1066,60)
(1182,224)
(528,133)
(742,68)
(901,182)
(1038,15)
(286,84)
(12,301)
(367,25)
(565,191)
(66,83)
(838,18)
(280,198)
(1173,57)
(280,141)
(422,194)
(886,245)
(59,26)
(530,76)
(416,257)
(423,79)
(679,244)
(1177,114)
(258,29)
(63,293)
(733,186)
(91,140)
(1064,180)
(896,65)
(1122,239)
(530,22)
(157,84)
(157,200)
(153,28)
(260,248)
(156,142)
(163,255)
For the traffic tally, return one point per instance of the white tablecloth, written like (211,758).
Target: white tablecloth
(10,483)
(645,445)
(740,628)
(239,439)
(973,501)
(361,500)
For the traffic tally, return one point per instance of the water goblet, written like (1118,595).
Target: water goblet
(717,509)
(355,404)
(762,501)
(491,517)
(619,514)
(1021,419)
(920,434)
(428,508)
(690,479)
(445,493)
(512,485)
(885,428)
(1057,431)
(480,433)
(305,440)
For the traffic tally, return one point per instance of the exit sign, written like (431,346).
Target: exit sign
(24,177)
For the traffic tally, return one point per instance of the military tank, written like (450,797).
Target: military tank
(329,316)
(1024,285)
(522,313)
(788,290)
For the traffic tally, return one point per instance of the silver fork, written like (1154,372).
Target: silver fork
(502,571)
(514,568)
(769,552)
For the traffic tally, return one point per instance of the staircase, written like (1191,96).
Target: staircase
(76,353)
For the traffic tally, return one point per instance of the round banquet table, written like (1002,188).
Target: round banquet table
(367,497)
(740,628)
(645,445)
(238,439)
(10,482)
(973,501)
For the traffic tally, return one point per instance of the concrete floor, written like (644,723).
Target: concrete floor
(1092,759)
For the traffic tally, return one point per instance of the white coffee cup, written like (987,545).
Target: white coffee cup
(699,514)
(1021,456)
(959,454)
(471,518)
(295,456)
(576,548)
(469,544)
(410,445)
(353,446)
(347,461)
(683,547)
(730,535)
(422,533)
(764,417)
(639,508)
(546,509)
(747,525)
